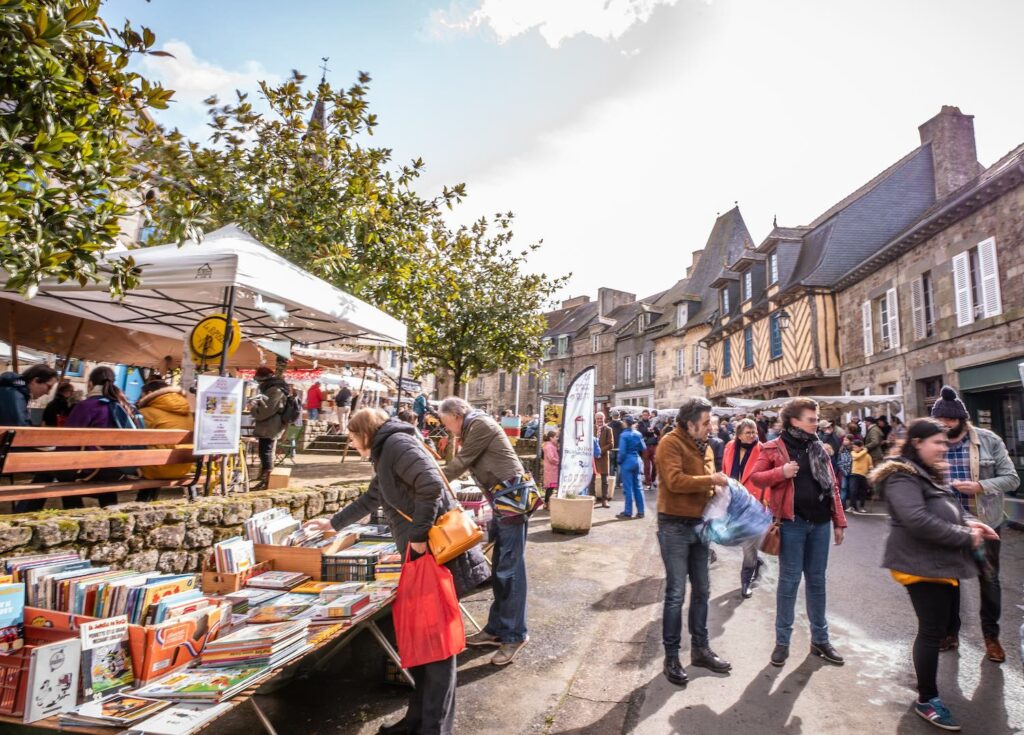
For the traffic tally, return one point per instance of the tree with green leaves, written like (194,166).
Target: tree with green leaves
(488,315)
(73,120)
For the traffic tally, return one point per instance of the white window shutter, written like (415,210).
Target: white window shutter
(894,317)
(917,308)
(962,289)
(869,337)
(992,303)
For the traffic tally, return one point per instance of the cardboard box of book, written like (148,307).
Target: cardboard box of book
(160,649)
(224,583)
(303,559)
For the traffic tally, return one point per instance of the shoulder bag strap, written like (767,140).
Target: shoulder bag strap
(448,487)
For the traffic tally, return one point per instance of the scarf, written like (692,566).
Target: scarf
(702,447)
(816,455)
(738,464)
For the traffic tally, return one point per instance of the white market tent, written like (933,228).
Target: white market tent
(355,382)
(834,403)
(272,300)
(24,358)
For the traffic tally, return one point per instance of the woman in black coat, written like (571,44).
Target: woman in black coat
(408,485)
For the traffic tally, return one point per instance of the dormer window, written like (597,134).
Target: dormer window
(748,286)
(725,302)
(563,345)
(682,315)
(773,268)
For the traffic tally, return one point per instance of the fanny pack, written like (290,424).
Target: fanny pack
(518,497)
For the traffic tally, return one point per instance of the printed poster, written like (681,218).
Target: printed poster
(577,468)
(218,428)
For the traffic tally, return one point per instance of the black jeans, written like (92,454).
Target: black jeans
(266,449)
(936,607)
(991,593)
(858,491)
(432,703)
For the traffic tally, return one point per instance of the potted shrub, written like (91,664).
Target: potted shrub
(572,514)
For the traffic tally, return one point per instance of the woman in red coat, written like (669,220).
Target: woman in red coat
(804,498)
(738,460)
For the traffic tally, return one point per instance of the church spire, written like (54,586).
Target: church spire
(319,117)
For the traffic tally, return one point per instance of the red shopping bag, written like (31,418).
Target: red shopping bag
(428,623)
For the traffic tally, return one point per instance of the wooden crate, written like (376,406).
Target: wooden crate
(299,558)
(222,583)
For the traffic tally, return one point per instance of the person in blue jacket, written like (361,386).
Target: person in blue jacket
(631,449)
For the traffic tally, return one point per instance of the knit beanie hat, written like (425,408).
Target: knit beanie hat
(949,406)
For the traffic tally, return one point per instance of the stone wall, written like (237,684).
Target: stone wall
(169,535)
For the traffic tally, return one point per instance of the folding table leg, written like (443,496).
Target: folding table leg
(389,649)
(470,617)
(262,717)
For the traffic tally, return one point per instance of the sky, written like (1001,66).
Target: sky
(617,130)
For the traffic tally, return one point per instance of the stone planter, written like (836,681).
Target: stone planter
(572,515)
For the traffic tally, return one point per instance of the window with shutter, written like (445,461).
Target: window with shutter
(883,322)
(894,317)
(917,308)
(929,304)
(697,366)
(962,289)
(748,347)
(650,363)
(869,338)
(991,298)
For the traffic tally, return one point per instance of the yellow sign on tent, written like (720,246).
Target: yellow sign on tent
(208,337)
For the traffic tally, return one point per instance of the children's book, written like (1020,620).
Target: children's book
(52,679)
(106,657)
(12,617)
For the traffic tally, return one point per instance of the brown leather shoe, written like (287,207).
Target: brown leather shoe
(949,643)
(993,651)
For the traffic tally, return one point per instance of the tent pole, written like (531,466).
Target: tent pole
(401,374)
(229,309)
(71,347)
(12,337)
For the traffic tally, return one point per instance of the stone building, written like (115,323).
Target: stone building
(943,301)
(690,308)
(778,331)
(636,363)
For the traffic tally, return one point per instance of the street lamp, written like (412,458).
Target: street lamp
(783,318)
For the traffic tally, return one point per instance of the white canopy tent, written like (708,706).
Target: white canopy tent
(271,298)
(355,382)
(833,403)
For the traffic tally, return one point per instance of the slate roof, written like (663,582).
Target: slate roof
(728,239)
(856,227)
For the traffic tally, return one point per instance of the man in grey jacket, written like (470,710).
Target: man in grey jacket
(981,473)
(487,454)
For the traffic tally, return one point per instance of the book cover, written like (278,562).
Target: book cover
(118,709)
(106,657)
(311,588)
(202,683)
(181,718)
(12,616)
(52,679)
(158,590)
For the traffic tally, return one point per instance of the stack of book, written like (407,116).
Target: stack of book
(311,588)
(277,580)
(182,717)
(120,710)
(257,645)
(338,589)
(380,590)
(250,598)
(347,606)
(203,684)
(271,526)
(388,568)
(234,555)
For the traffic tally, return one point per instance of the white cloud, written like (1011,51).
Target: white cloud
(555,20)
(193,80)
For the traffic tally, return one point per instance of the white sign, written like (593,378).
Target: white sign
(1020,369)
(103,632)
(218,415)
(577,467)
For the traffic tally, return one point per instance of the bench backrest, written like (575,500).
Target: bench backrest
(77,449)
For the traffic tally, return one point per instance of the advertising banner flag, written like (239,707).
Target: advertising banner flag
(577,467)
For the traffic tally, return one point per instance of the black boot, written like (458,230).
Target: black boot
(675,672)
(708,659)
(745,592)
(827,652)
(779,655)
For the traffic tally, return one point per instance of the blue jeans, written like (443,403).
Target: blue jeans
(507,618)
(844,488)
(629,476)
(803,551)
(314,414)
(684,554)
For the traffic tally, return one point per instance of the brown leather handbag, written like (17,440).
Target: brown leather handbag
(453,533)
(772,540)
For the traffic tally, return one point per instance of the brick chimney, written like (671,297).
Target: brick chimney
(575,301)
(693,262)
(954,155)
(608,300)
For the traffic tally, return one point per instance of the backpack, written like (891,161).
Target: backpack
(121,418)
(292,410)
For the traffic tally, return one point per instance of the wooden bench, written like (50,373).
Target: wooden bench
(33,450)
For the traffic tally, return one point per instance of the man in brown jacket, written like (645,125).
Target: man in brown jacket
(687,481)
(606,443)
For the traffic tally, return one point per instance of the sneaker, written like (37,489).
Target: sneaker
(508,652)
(623,516)
(936,713)
(779,655)
(639,515)
(483,639)
(993,651)
(827,652)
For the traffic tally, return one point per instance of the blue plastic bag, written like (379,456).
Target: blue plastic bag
(734,516)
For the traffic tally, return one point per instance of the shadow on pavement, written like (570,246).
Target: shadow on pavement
(628,596)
